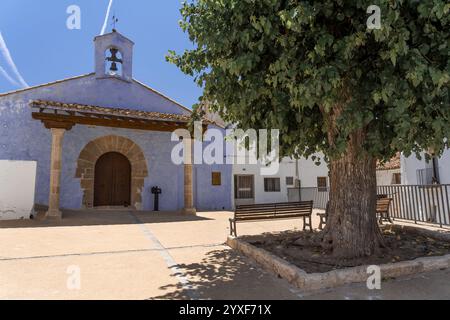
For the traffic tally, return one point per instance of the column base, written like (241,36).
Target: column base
(53,215)
(189,211)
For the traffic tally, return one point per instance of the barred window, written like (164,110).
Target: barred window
(272,185)
(322,184)
(289,181)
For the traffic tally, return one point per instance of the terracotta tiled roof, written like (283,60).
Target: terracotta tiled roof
(137,114)
(214,117)
(392,164)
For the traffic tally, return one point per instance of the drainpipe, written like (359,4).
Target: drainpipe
(435,170)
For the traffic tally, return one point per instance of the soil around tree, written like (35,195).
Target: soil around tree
(304,249)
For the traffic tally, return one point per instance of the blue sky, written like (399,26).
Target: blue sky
(44,50)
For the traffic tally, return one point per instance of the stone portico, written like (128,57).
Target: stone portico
(60,117)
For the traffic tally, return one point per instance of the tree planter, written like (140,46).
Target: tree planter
(315,281)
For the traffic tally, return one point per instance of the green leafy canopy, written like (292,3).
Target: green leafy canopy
(289,65)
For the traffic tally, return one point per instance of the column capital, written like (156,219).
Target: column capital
(58,125)
(58,131)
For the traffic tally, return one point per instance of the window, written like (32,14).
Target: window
(216,178)
(244,187)
(396,178)
(289,181)
(272,185)
(322,184)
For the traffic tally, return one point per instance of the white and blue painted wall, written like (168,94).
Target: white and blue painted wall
(25,139)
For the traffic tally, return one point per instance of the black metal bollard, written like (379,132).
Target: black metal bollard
(156,192)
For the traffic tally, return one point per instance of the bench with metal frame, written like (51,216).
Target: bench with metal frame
(273,211)
(382,212)
(383,205)
(323,217)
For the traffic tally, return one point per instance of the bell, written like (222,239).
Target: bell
(114,60)
(114,52)
(113,67)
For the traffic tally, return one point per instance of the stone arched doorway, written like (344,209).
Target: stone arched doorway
(94,150)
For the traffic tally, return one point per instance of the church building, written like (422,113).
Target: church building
(103,140)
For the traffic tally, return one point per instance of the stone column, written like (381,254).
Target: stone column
(55,173)
(188,178)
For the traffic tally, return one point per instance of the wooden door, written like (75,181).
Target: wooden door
(112,182)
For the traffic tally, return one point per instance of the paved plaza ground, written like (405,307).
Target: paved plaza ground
(145,255)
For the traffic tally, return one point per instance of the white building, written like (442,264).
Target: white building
(412,171)
(421,190)
(295,180)
(389,173)
(421,172)
(17,185)
(251,187)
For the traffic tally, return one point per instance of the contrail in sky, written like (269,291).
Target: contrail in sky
(6,54)
(106,17)
(8,77)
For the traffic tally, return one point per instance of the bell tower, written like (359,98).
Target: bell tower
(114,56)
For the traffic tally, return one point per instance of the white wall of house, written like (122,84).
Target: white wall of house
(307,172)
(410,167)
(17,187)
(385,177)
(444,168)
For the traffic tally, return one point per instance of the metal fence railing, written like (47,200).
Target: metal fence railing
(418,203)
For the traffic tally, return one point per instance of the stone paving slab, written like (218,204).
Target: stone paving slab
(83,234)
(137,275)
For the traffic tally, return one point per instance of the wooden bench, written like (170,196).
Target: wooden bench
(383,205)
(272,211)
(323,217)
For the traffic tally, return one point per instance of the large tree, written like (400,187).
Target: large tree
(314,70)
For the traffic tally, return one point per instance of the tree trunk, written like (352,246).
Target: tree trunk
(352,230)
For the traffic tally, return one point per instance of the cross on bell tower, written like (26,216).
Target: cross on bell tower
(114,22)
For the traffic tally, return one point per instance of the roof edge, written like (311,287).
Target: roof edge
(112,33)
(162,95)
(45,84)
(88,75)
(388,169)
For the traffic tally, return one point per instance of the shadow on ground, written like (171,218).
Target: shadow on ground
(75,218)
(224,274)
